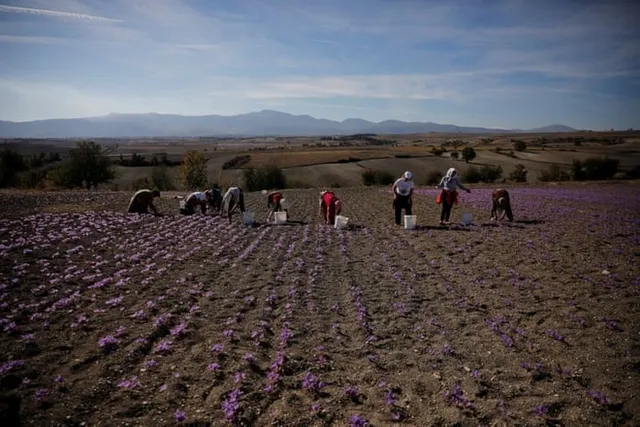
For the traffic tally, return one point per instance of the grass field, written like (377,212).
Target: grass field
(116,319)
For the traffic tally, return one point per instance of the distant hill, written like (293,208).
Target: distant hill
(262,123)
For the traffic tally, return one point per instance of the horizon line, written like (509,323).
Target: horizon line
(281,112)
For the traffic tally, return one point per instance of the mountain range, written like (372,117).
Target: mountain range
(261,123)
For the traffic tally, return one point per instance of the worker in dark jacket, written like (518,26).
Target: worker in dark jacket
(501,202)
(142,200)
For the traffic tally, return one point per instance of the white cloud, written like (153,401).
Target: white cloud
(56,14)
(31,39)
(403,86)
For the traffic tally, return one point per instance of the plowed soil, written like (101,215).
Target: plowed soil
(205,321)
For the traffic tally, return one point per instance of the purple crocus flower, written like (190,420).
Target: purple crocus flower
(41,394)
(358,421)
(180,417)
(352,391)
(541,411)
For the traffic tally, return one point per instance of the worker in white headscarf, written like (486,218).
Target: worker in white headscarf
(232,200)
(402,195)
(449,194)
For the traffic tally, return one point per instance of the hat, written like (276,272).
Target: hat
(408,175)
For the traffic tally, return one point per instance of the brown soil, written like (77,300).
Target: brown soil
(411,313)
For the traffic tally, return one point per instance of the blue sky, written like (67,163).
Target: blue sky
(502,63)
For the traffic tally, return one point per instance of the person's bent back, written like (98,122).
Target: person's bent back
(142,200)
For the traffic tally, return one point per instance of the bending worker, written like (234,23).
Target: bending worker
(274,203)
(501,202)
(233,199)
(330,206)
(142,200)
(208,198)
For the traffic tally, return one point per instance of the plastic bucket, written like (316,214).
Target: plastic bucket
(280,217)
(467,218)
(283,203)
(410,222)
(341,222)
(264,191)
(247,218)
(183,204)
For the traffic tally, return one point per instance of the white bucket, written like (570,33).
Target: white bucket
(341,222)
(283,203)
(280,217)
(183,204)
(264,191)
(467,218)
(409,222)
(247,218)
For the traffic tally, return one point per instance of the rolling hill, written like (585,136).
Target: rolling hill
(262,123)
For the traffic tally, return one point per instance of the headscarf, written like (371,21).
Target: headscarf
(450,173)
(408,175)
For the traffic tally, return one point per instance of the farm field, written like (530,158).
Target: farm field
(317,161)
(115,319)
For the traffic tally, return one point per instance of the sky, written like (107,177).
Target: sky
(492,63)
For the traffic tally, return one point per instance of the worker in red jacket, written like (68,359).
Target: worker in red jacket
(330,206)
(274,203)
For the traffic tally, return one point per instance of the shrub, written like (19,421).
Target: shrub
(490,174)
(11,163)
(437,151)
(519,145)
(161,179)
(472,175)
(193,174)
(554,173)
(519,173)
(468,154)
(433,178)
(455,155)
(371,177)
(266,178)
(595,168)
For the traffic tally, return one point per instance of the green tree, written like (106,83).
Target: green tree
(468,154)
(491,174)
(193,171)
(86,166)
(519,145)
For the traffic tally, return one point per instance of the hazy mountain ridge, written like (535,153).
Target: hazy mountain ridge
(265,122)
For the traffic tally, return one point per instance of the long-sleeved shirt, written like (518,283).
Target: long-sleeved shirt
(451,184)
(233,193)
(198,198)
